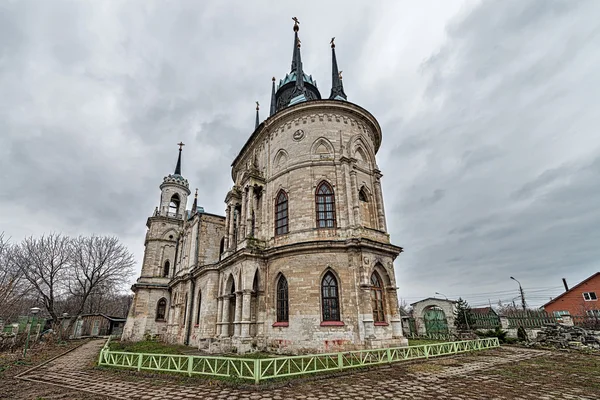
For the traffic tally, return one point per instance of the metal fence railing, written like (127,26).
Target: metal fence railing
(529,319)
(270,368)
(490,321)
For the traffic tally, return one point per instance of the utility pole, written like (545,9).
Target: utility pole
(522,293)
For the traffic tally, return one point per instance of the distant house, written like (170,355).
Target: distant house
(94,325)
(580,300)
(485,311)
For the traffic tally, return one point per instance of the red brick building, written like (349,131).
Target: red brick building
(581,300)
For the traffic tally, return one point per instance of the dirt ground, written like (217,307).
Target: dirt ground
(505,373)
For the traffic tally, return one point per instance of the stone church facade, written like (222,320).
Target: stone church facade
(302,261)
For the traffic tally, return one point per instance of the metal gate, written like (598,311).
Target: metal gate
(435,320)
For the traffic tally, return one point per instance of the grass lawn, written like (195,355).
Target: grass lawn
(149,346)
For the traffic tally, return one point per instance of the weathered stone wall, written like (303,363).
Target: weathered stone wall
(141,319)
(228,301)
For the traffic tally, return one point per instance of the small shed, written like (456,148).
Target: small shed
(94,325)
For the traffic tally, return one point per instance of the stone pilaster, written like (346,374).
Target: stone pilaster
(250,210)
(242,219)
(225,317)
(246,298)
(355,205)
(230,226)
(238,314)
(219,315)
(379,201)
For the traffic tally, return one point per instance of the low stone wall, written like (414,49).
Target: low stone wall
(564,336)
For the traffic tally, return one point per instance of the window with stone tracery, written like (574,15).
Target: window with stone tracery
(161,309)
(325,206)
(282,300)
(281,213)
(377,298)
(330,298)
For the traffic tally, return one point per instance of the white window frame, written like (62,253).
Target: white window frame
(587,296)
(561,313)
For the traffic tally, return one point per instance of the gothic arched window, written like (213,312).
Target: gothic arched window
(174,205)
(166,269)
(325,206)
(377,298)
(161,309)
(281,213)
(330,298)
(362,196)
(282,300)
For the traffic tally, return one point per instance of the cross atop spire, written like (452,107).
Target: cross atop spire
(296,54)
(178,166)
(337,88)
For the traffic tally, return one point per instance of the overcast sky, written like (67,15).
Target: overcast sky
(490,116)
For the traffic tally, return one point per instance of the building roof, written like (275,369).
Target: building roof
(434,298)
(115,319)
(482,310)
(573,288)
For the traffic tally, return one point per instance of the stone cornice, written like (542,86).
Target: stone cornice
(316,108)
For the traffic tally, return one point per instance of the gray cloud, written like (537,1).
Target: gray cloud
(488,111)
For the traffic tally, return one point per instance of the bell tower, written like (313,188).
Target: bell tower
(148,313)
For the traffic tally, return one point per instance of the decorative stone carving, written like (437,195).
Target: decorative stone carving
(298,135)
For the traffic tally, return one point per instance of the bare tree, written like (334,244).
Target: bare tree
(14,288)
(98,263)
(44,263)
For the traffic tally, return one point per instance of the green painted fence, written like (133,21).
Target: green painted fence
(269,368)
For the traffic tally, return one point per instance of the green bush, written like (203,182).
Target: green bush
(522,334)
(498,332)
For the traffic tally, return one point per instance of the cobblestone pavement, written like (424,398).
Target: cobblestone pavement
(492,374)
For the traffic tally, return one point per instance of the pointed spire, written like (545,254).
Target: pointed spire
(195,206)
(296,50)
(299,72)
(178,166)
(337,87)
(257,119)
(273,105)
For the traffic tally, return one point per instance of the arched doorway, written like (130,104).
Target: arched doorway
(435,320)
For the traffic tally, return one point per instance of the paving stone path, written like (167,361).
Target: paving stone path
(449,378)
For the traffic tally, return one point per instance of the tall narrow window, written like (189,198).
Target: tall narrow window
(166,269)
(377,298)
(325,202)
(161,309)
(282,300)
(185,305)
(199,305)
(281,213)
(329,294)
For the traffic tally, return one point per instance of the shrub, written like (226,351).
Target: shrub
(498,332)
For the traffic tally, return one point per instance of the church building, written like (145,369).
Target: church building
(302,261)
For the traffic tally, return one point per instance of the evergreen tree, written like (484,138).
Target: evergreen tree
(463,318)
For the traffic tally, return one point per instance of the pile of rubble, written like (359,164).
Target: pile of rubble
(563,336)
